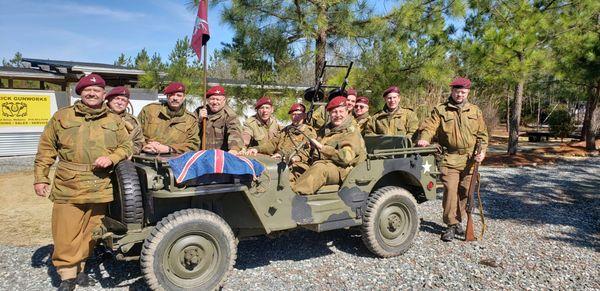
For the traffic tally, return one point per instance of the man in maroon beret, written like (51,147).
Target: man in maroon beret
(291,144)
(223,128)
(168,127)
(88,141)
(117,100)
(261,126)
(458,125)
(394,119)
(361,113)
(341,147)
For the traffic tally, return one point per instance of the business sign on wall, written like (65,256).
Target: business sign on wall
(25,110)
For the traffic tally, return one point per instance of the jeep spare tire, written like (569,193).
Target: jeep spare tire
(127,206)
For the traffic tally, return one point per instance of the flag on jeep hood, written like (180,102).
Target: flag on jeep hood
(192,165)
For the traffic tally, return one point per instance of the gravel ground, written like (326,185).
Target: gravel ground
(16,164)
(543,233)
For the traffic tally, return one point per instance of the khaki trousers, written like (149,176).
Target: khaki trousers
(72,228)
(319,174)
(456,185)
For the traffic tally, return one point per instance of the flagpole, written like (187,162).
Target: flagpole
(204,97)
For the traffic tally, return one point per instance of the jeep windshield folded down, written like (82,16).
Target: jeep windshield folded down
(185,235)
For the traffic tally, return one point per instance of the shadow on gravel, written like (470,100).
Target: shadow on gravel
(431,227)
(108,272)
(42,258)
(298,245)
(566,195)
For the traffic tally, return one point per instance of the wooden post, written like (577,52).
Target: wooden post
(204,97)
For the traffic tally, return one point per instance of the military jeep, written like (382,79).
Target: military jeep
(186,235)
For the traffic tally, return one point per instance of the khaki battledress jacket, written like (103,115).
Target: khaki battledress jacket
(291,140)
(363,122)
(256,131)
(457,130)
(402,121)
(176,129)
(223,130)
(78,135)
(134,128)
(342,146)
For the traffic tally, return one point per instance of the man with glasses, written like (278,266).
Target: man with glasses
(361,113)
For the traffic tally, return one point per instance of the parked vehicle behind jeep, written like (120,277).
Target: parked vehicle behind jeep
(188,232)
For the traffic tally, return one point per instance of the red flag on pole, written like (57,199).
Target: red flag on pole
(201,34)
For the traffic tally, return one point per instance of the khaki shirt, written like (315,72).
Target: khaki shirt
(402,121)
(177,130)
(457,130)
(78,135)
(256,131)
(319,117)
(223,130)
(362,122)
(134,129)
(342,145)
(291,140)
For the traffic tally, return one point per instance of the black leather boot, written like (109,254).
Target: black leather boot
(459,229)
(84,280)
(67,285)
(449,234)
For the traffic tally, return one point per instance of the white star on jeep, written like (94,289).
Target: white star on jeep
(426,167)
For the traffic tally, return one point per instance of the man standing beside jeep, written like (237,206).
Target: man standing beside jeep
(223,129)
(340,146)
(458,125)
(88,140)
(262,126)
(117,100)
(169,128)
(394,119)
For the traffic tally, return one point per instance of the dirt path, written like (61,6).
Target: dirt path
(24,217)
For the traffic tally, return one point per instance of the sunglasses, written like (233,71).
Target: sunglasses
(360,106)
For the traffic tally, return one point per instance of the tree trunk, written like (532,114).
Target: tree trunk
(589,122)
(515,118)
(321,39)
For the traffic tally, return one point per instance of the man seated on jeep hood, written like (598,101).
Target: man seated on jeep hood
(340,147)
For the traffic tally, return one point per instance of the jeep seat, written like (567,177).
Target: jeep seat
(386,142)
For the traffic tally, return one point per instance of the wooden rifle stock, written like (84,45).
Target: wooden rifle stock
(469,235)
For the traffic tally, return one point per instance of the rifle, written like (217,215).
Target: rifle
(473,185)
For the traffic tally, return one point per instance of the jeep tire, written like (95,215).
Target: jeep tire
(390,221)
(127,206)
(191,249)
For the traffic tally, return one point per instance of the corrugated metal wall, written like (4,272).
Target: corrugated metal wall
(19,143)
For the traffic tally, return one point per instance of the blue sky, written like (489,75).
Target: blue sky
(98,31)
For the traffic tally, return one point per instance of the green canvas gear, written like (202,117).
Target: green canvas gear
(256,131)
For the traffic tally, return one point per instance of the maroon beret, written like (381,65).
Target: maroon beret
(363,100)
(461,83)
(391,89)
(336,102)
(215,90)
(296,107)
(118,91)
(89,80)
(352,91)
(173,88)
(262,101)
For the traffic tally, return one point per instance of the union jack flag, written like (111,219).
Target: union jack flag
(192,165)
